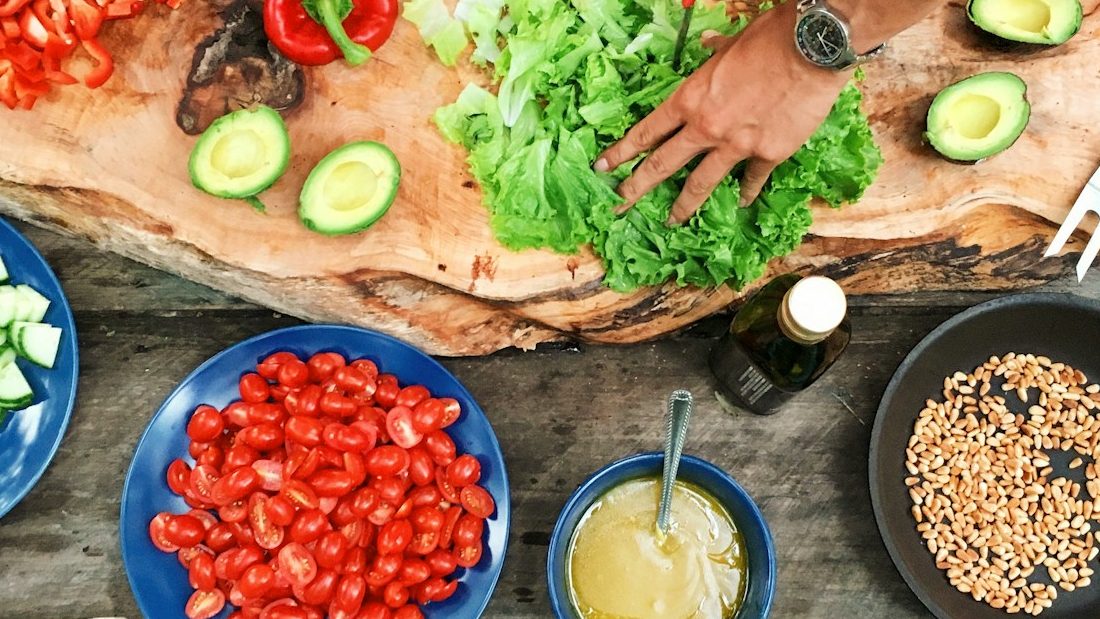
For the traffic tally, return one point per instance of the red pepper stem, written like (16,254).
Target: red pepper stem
(354,53)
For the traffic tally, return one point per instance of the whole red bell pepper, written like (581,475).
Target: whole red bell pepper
(316,32)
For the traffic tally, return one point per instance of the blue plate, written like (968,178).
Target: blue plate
(29,438)
(158,580)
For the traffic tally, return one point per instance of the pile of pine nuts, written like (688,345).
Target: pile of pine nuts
(985,496)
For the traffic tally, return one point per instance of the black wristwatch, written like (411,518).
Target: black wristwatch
(824,37)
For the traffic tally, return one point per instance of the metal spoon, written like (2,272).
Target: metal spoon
(680,405)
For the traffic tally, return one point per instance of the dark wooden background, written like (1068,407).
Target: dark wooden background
(559,413)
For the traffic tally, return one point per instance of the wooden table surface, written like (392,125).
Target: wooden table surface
(559,414)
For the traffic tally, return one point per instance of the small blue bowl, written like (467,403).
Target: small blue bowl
(746,515)
(158,580)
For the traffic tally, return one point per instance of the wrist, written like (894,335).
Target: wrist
(786,18)
(867,32)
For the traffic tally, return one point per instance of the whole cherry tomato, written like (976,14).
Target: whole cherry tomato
(205,425)
(413,572)
(387,461)
(269,367)
(425,496)
(304,430)
(254,388)
(323,365)
(465,470)
(235,486)
(383,569)
(428,415)
(468,530)
(332,483)
(412,395)
(334,404)
(351,380)
(386,393)
(264,436)
(280,510)
(375,610)
(364,502)
(441,562)
(394,537)
(293,374)
(350,593)
(239,455)
(200,572)
(395,595)
(309,526)
(256,580)
(440,447)
(330,549)
(220,538)
(320,590)
(409,611)
(184,531)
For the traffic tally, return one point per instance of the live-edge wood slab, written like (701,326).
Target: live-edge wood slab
(110,165)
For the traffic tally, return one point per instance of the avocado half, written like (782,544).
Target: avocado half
(979,116)
(1044,22)
(241,153)
(350,189)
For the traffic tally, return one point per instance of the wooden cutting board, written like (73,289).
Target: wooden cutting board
(111,165)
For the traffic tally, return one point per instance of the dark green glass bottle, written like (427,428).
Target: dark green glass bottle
(783,339)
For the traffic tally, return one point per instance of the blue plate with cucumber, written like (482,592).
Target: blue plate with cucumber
(38,366)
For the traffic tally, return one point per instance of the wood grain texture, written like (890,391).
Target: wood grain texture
(108,165)
(141,331)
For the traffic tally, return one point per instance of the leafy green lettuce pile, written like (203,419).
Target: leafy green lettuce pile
(571,78)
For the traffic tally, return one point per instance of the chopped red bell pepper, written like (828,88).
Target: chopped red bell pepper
(105,65)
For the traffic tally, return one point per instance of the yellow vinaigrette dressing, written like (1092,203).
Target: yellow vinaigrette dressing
(619,569)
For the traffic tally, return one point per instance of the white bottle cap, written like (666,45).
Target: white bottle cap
(816,306)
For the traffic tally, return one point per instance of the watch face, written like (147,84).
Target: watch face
(822,38)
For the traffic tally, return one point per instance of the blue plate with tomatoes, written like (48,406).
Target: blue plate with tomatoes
(29,438)
(319,455)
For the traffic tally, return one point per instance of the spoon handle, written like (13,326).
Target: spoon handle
(680,405)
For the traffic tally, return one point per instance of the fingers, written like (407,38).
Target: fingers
(756,175)
(712,39)
(700,184)
(659,165)
(652,129)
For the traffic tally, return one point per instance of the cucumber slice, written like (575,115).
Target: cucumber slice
(7,355)
(30,306)
(8,301)
(3,271)
(15,392)
(36,342)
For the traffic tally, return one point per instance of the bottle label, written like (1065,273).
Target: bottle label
(741,380)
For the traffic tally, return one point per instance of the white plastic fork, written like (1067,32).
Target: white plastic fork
(1087,202)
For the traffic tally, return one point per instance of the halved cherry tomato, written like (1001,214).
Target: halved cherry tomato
(445,488)
(374,610)
(157,527)
(468,556)
(186,555)
(355,561)
(267,534)
(446,591)
(302,464)
(205,425)
(450,519)
(206,518)
(179,476)
(305,402)
(412,395)
(364,502)
(300,494)
(423,542)
(213,456)
(254,388)
(204,604)
(231,564)
(356,466)
(477,501)
(390,489)
(235,512)
(296,564)
(271,474)
(399,425)
(452,410)
(465,470)
(351,380)
(440,447)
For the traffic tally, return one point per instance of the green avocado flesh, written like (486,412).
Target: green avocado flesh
(241,153)
(1045,22)
(350,189)
(979,116)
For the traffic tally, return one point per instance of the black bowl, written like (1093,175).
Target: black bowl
(1065,328)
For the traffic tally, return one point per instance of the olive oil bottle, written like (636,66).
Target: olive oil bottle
(783,339)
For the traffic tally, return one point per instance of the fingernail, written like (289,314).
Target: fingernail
(601,165)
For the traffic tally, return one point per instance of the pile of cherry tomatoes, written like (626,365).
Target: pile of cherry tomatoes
(327,490)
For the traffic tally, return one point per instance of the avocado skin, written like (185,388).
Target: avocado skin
(259,113)
(996,35)
(347,151)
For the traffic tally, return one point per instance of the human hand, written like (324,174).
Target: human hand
(755,100)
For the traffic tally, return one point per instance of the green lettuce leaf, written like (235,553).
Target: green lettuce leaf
(573,76)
